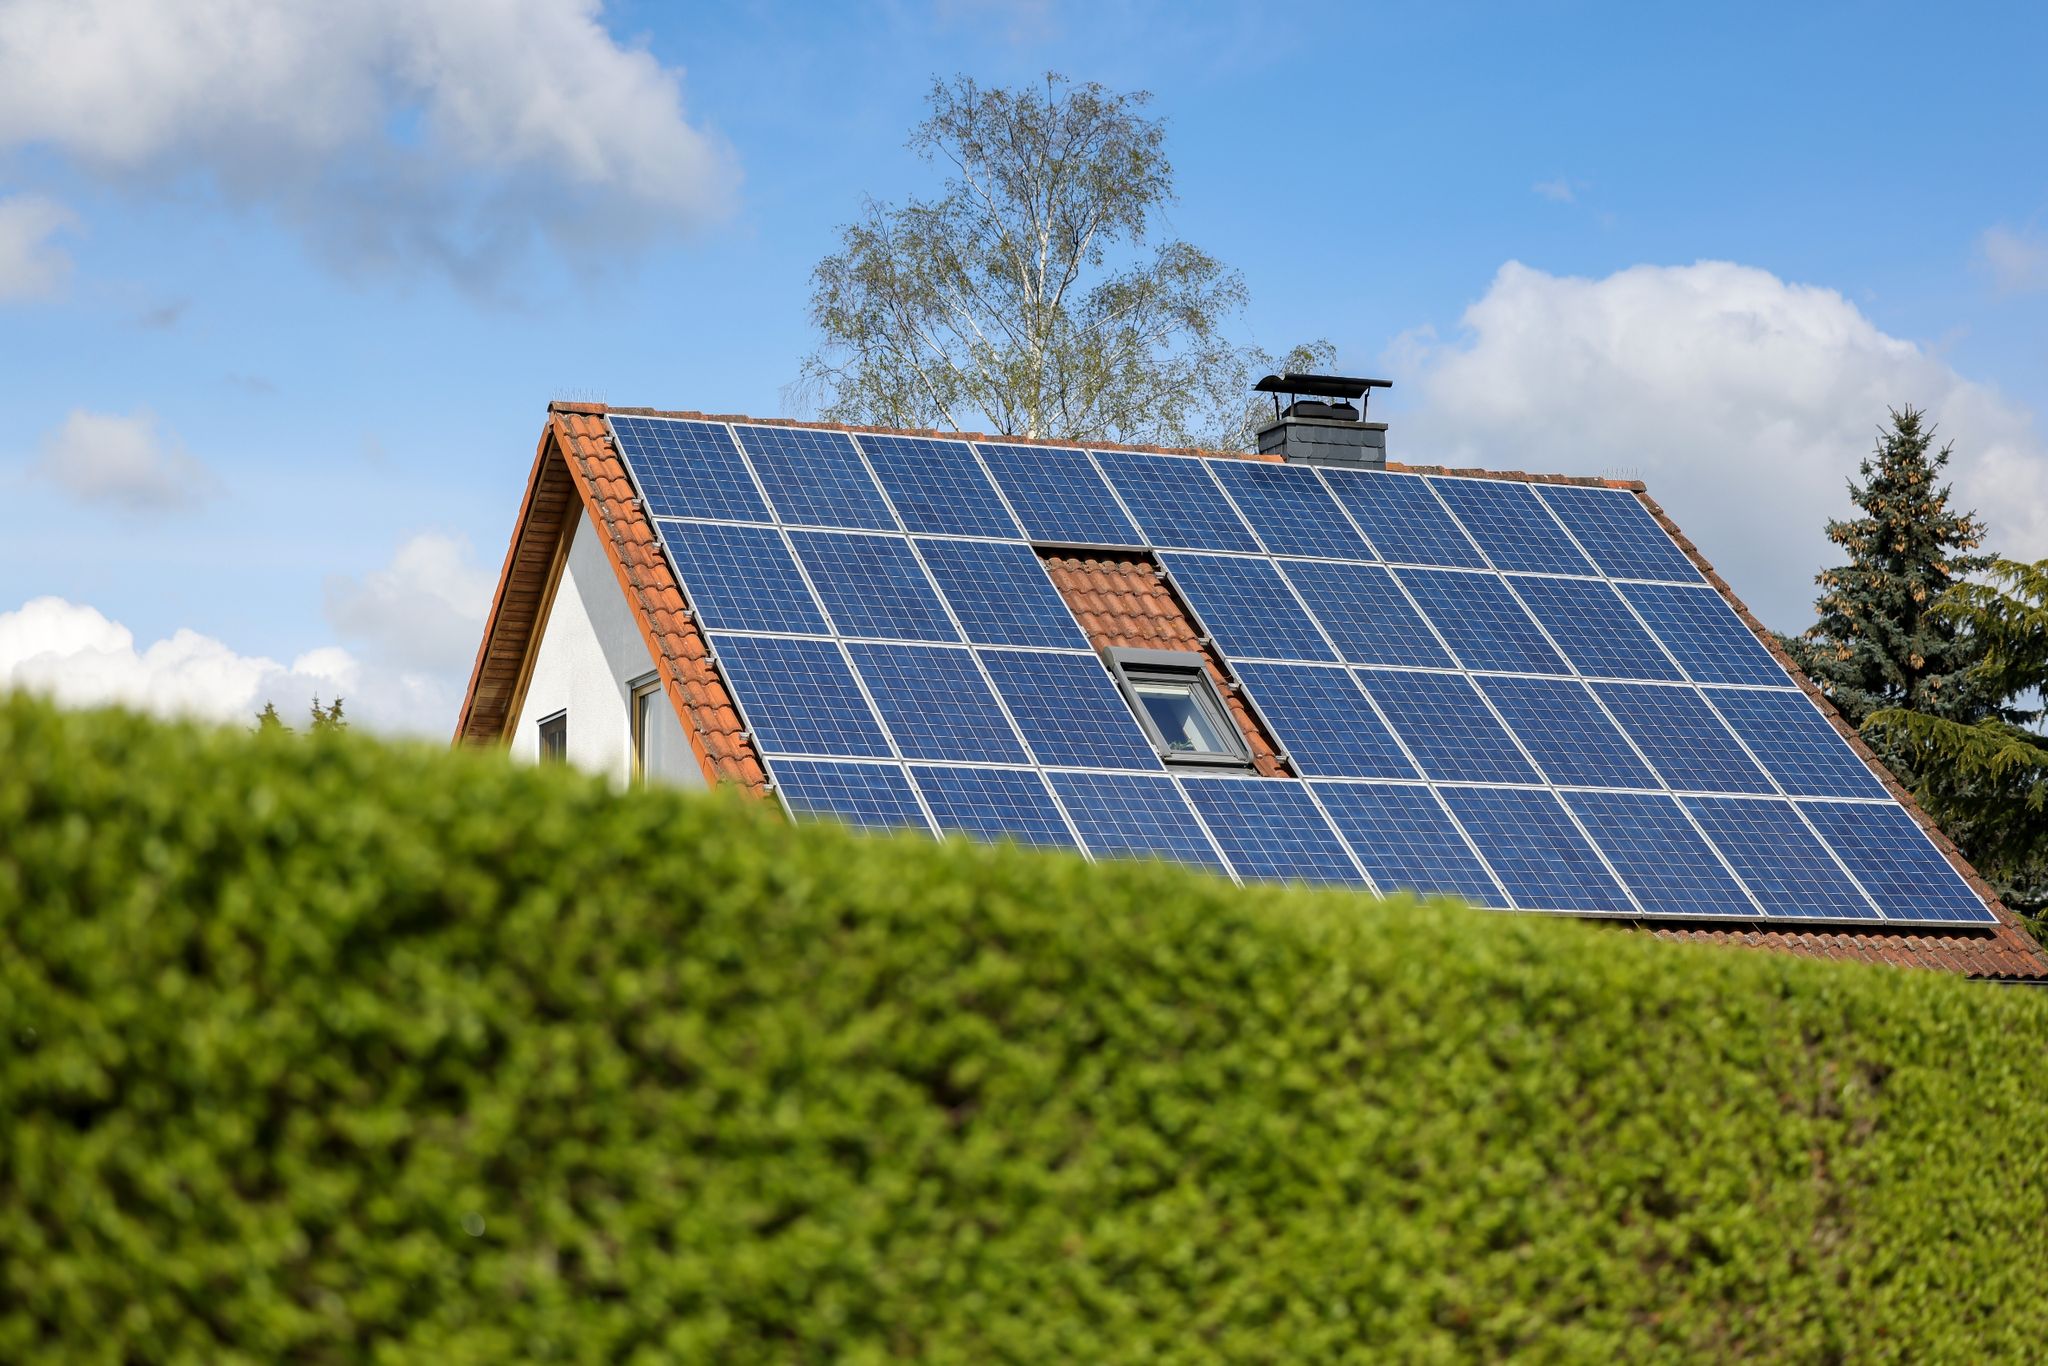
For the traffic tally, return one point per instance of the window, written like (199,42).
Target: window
(554,738)
(1176,701)
(645,704)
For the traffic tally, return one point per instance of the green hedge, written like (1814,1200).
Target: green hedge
(322,1049)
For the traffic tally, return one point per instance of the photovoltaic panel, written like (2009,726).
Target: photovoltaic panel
(1134,815)
(1618,532)
(1324,722)
(1774,852)
(873,586)
(1685,741)
(1485,625)
(688,469)
(1448,727)
(1594,628)
(1796,744)
(799,696)
(1059,496)
(1406,841)
(1271,830)
(1403,519)
(992,804)
(1512,527)
(1535,849)
(1366,613)
(1293,512)
(1000,593)
(876,796)
(815,478)
(1888,853)
(1574,742)
(1245,605)
(1175,501)
(1660,855)
(741,578)
(1070,712)
(1703,633)
(937,486)
(936,703)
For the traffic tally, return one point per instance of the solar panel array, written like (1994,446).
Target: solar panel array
(1521,694)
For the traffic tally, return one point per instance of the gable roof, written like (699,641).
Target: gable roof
(1117,602)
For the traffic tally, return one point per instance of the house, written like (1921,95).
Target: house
(1302,664)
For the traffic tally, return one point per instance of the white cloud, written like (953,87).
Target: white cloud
(1745,403)
(1557,191)
(423,612)
(30,266)
(440,132)
(123,461)
(2018,260)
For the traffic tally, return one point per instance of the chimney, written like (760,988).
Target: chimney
(1320,426)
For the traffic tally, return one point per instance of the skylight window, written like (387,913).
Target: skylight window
(1176,702)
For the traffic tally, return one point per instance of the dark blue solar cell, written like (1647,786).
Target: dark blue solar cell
(1660,855)
(1574,742)
(1246,606)
(1407,842)
(1292,511)
(936,703)
(1271,830)
(1594,628)
(876,796)
(1059,496)
(937,486)
(1795,743)
(1402,518)
(1486,627)
(815,478)
(1703,633)
(1175,501)
(1785,866)
(1069,710)
(1618,532)
(1324,722)
(1129,815)
(1685,742)
(741,578)
(1001,594)
(873,586)
(1533,846)
(1366,613)
(1448,727)
(1891,856)
(992,804)
(799,696)
(688,469)
(1512,527)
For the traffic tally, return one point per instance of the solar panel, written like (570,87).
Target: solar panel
(815,478)
(993,804)
(1796,744)
(1294,513)
(1324,722)
(1134,815)
(1594,628)
(937,486)
(1511,526)
(799,696)
(1685,742)
(875,796)
(1059,496)
(1483,623)
(1661,857)
(1366,613)
(1403,519)
(741,578)
(1618,532)
(1271,830)
(1703,633)
(1448,727)
(1070,712)
(1781,860)
(1888,853)
(1539,855)
(936,703)
(1245,605)
(1001,594)
(1573,741)
(1407,841)
(1175,501)
(688,469)
(873,586)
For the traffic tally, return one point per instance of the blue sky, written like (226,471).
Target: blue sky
(277,331)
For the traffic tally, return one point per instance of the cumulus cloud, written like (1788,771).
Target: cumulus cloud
(123,461)
(2018,260)
(1744,401)
(422,612)
(31,266)
(451,133)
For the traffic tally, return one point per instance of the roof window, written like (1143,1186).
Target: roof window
(1176,702)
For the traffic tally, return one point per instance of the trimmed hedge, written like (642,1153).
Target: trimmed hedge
(325,1049)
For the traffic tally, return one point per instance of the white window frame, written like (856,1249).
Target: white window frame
(559,720)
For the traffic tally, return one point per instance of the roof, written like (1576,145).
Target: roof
(1118,599)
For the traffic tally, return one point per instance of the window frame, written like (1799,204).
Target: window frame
(639,692)
(1132,667)
(558,721)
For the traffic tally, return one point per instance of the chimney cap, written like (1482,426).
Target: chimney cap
(1319,386)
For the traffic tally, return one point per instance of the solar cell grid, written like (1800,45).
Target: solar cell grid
(1323,721)
(741,578)
(1574,742)
(1271,830)
(1407,842)
(1487,628)
(1512,527)
(1448,727)
(1292,511)
(1134,815)
(1660,855)
(1593,627)
(1366,613)
(1070,712)
(688,469)
(1618,532)
(937,486)
(1245,605)
(1001,594)
(1175,501)
(815,478)
(1059,496)
(1703,633)
(1888,853)
(799,696)
(936,703)
(1685,741)
(1774,852)
(875,796)
(1402,518)
(1796,744)
(1531,843)
(992,804)
(873,586)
